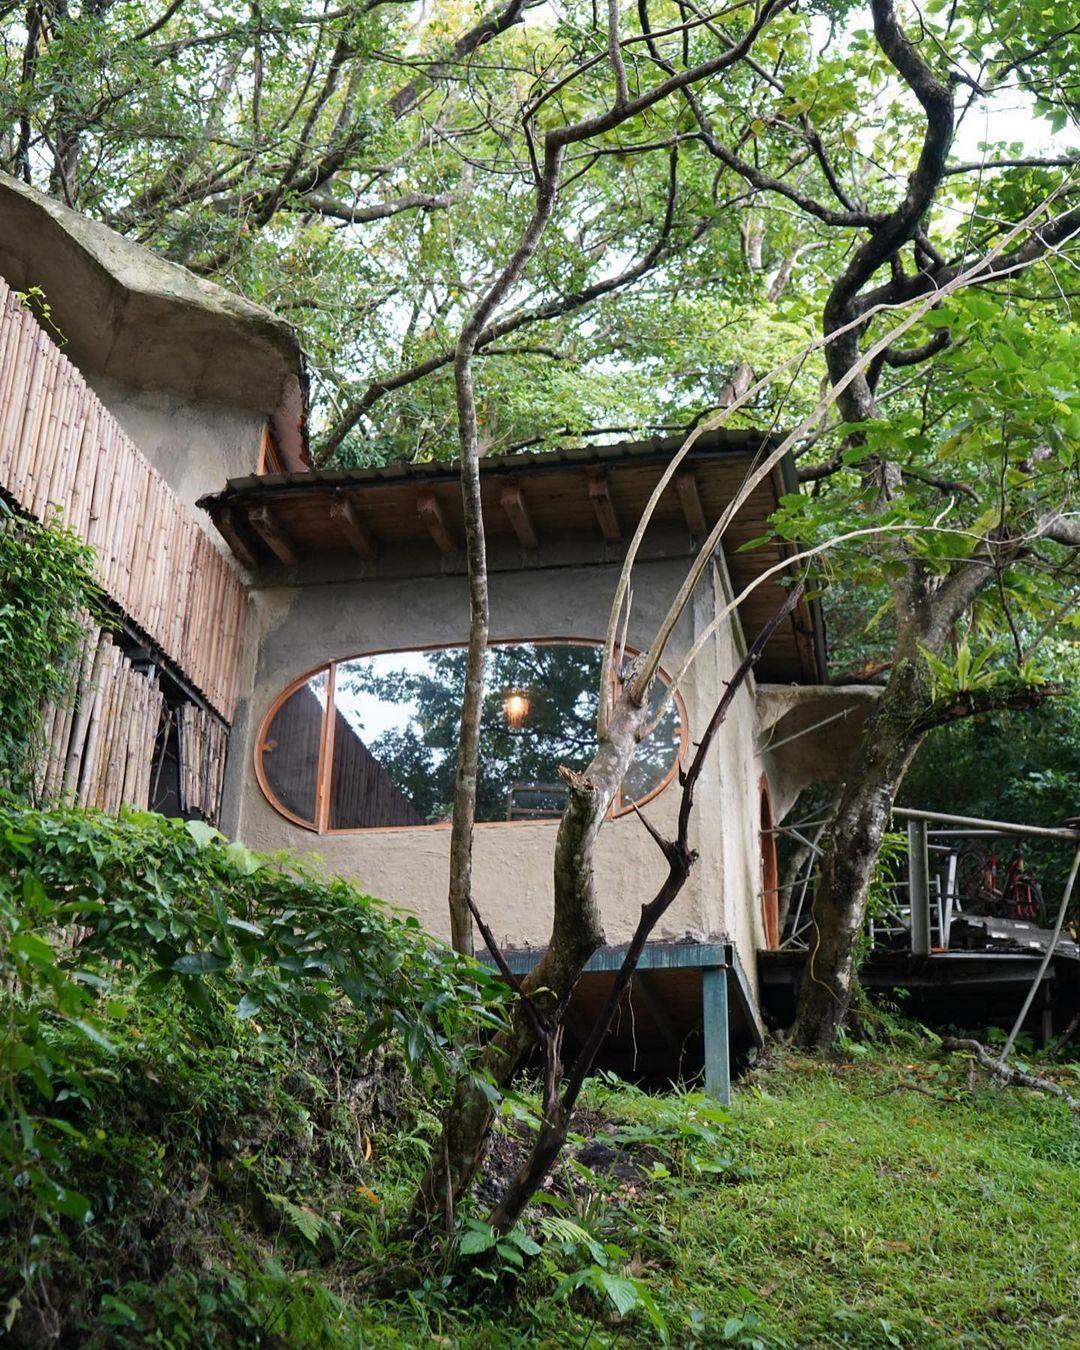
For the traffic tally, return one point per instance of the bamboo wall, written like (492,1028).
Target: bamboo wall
(103,741)
(61,447)
(99,741)
(203,743)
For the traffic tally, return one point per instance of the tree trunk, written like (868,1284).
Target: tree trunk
(464,813)
(472,702)
(891,736)
(576,932)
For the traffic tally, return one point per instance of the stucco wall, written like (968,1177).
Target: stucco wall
(194,445)
(297,628)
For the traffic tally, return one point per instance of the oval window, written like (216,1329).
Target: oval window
(372,741)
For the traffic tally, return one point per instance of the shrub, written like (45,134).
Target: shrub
(148,965)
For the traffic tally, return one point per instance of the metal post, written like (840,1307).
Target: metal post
(714,1011)
(919,887)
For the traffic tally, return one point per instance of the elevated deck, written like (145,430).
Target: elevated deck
(689,1007)
(957,943)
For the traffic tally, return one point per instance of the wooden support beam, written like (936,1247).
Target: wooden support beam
(272,535)
(690,500)
(431,513)
(512,501)
(600,496)
(230,530)
(359,537)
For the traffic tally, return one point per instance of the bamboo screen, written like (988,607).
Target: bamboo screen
(100,740)
(104,741)
(60,447)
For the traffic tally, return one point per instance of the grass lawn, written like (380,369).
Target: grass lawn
(883,1200)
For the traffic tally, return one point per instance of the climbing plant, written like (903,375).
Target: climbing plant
(46,584)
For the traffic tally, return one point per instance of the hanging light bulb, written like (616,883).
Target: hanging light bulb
(516,708)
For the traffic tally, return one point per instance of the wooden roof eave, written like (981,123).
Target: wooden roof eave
(367,510)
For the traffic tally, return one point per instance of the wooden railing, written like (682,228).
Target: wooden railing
(61,448)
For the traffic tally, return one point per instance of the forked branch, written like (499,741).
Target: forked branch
(559,1107)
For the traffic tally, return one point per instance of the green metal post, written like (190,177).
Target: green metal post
(919,886)
(714,1008)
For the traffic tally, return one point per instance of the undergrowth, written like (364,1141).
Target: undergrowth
(195,1039)
(236,1139)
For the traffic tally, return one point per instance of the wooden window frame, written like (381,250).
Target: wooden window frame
(324,768)
(269,460)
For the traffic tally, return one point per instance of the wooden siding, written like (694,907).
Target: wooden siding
(61,448)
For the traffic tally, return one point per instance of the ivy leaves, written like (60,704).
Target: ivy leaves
(45,581)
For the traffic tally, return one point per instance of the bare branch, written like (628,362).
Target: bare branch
(359,215)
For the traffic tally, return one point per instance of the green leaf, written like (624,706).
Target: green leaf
(306,1222)
(33,949)
(524,1242)
(202,833)
(92,1033)
(623,1293)
(246,927)
(478,1238)
(248,1006)
(1006,357)
(199,963)
(245,862)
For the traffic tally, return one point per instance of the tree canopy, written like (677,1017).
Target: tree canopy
(365,168)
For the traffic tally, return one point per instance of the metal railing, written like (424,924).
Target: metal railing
(934,894)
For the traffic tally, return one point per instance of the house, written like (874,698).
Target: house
(315,621)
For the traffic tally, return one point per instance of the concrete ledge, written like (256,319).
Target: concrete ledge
(127,313)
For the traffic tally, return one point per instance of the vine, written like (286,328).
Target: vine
(46,590)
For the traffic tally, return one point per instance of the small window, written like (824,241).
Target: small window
(372,741)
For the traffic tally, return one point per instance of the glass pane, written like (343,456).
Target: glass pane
(290,755)
(395,738)
(655,756)
(396,728)
(402,709)
(539,713)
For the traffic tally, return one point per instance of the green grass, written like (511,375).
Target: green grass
(848,1208)
(872,1211)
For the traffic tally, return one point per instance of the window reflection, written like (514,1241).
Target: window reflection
(392,744)
(290,748)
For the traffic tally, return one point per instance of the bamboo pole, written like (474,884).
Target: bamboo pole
(24,411)
(36,426)
(47,440)
(11,374)
(87,792)
(86,694)
(85,470)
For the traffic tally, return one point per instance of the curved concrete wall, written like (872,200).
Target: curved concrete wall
(297,628)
